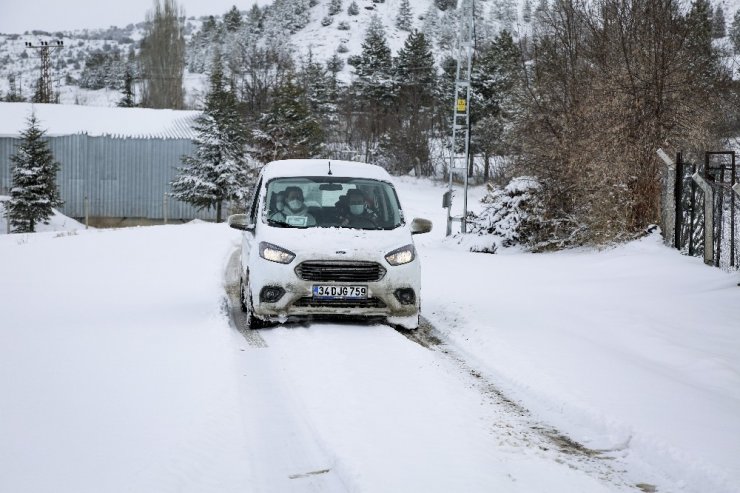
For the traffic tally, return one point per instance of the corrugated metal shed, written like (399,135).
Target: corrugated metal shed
(123,175)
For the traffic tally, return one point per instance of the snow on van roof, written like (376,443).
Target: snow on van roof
(70,119)
(320,167)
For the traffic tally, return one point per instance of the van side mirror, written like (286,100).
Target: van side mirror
(240,221)
(419,226)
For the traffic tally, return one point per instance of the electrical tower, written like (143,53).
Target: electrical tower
(45,90)
(460,143)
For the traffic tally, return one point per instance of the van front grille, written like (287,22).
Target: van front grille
(340,271)
(323,303)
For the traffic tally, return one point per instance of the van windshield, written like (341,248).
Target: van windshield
(331,202)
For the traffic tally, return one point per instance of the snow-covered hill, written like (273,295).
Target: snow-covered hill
(344,35)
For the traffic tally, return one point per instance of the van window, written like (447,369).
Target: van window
(331,202)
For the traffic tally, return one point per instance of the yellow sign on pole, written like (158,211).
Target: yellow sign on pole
(461,103)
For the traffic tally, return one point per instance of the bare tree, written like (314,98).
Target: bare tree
(163,56)
(611,82)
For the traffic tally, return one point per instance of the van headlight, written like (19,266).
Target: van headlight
(274,253)
(402,255)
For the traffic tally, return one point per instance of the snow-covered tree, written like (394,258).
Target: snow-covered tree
(494,81)
(735,32)
(218,171)
(446,4)
(353,9)
(718,23)
(128,91)
(33,191)
(335,6)
(527,11)
(287,15)
(404,18)
(232,20)
(288,129)
(374,84)
(431,24)
(504,11)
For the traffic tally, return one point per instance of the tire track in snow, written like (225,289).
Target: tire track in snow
(233,305)
(527,431)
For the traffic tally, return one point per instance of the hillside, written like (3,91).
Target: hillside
(19,65)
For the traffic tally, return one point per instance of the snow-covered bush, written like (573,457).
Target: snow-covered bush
(326,21)
(513,213)
(343,26)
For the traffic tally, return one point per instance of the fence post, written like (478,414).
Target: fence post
(708,218)
(679,200)
(669,207)
(164,207)
(87,212)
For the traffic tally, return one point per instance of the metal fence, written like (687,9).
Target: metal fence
(701,207)
(109,177)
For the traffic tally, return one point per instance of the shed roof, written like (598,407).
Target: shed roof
(67,119)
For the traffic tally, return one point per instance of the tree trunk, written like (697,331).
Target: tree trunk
(487,166)
(218,211)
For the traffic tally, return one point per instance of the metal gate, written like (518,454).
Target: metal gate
(706,201)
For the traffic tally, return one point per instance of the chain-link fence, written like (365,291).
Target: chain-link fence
(701,208)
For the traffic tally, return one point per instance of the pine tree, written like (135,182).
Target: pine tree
(403,20)
(718,23)
(415,71)
(375,65)
(288,129)
(446,4)
(527,11)
(735,32)
(335,6)
(218,171)
(493,81)
(232,20)
(128,91)
(353,9)
(430,25)
(33,192)
(374,83)
(416,78)
(699,19)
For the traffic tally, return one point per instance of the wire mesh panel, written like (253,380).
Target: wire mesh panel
(719,172)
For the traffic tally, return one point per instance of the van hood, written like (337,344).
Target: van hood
(338,243)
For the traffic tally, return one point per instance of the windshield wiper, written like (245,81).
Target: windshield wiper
(279,224)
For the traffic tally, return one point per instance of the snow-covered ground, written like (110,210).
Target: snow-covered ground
(120,371)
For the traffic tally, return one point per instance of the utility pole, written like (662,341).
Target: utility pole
(461,114)
(45,90)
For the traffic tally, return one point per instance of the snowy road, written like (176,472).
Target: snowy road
(122,369)
(347,407)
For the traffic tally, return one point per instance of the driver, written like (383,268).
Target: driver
(358,214)
(295,212)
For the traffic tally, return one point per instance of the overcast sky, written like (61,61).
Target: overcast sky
(17,16)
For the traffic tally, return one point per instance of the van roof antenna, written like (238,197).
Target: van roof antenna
(330,167)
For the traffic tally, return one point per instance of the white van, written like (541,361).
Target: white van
(328,238)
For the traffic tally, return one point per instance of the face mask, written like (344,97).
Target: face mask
(295,204)
(356,209)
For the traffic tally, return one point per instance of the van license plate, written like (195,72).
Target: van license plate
(339,292)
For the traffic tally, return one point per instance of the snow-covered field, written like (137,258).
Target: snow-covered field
(121,370)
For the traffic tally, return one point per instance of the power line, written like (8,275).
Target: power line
(45,89)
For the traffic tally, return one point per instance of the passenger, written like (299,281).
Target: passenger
(295,212)
(279,202)
(358,215)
